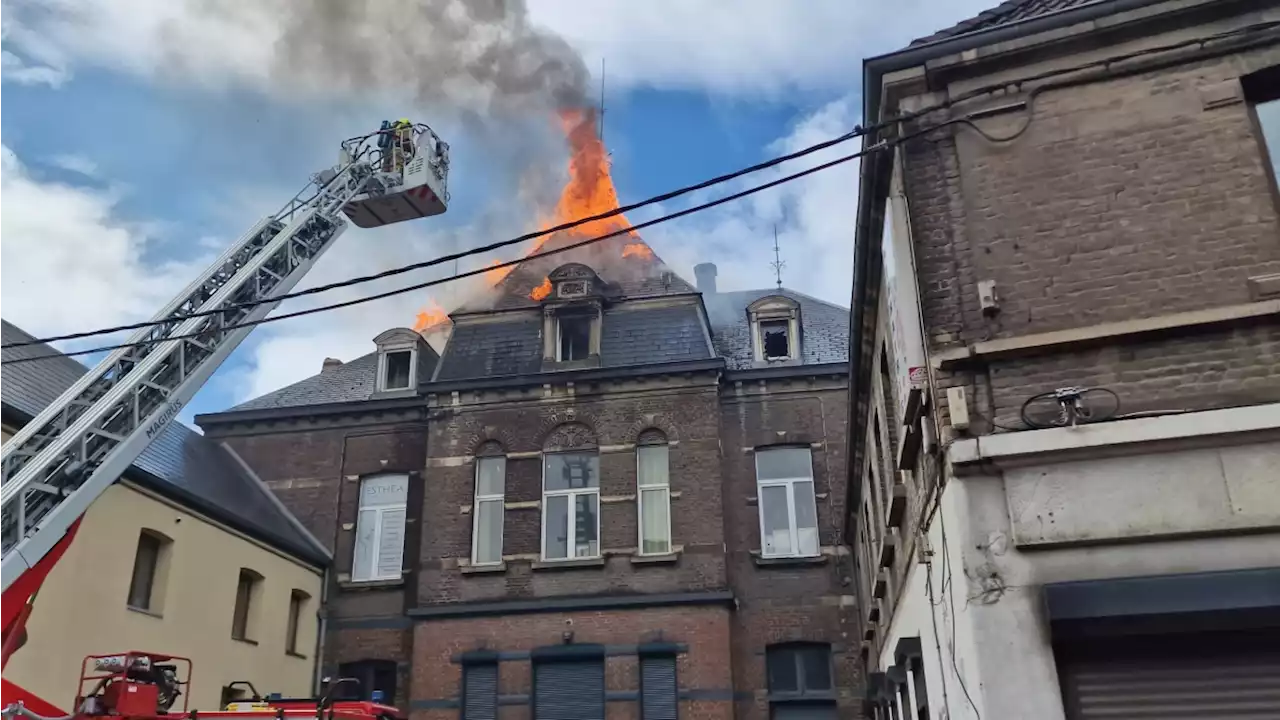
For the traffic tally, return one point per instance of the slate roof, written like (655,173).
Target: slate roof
(180,463)
(493,349)
(824,327)
(344,383)
(1005,13)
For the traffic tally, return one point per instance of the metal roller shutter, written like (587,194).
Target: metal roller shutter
(805,711)
(480,692)
(1224,676)
(568,690)
(658,695)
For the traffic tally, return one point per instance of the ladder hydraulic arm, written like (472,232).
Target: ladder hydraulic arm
(61,461)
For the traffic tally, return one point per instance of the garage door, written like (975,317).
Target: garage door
(1224,675)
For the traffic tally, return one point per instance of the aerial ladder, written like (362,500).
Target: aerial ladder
(68,455)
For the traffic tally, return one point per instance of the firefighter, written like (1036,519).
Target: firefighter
(402,131)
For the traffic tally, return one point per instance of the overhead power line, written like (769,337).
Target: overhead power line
(1106,67)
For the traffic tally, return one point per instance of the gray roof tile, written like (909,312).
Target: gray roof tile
(194,468)
(491,348)
(1005,13)
(345,383)
(824,327)
(648,335)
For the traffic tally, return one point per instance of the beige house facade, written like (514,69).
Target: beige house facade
(188,554)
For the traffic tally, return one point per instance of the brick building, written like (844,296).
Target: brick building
(560,513)
(1085,197)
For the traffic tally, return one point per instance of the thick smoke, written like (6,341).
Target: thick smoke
(479,57)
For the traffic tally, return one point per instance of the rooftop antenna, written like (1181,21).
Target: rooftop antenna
(601,125)
(777,263)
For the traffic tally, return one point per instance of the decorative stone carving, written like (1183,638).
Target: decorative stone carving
(570,436)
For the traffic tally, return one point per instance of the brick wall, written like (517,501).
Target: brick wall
(1125,198)
(703,671)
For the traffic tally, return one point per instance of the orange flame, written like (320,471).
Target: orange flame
(639,250)
(430,317)
(542,291)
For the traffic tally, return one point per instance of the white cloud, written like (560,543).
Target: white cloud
(71,261)
(78,164)
(814,217)
(15,69)
(751,48)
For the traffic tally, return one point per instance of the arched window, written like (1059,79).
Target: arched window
(653,492)
(570,494)
(490,499)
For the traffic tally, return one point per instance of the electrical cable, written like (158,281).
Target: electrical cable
(858,131)
(418,286)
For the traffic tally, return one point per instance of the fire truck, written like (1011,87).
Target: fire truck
(68,455)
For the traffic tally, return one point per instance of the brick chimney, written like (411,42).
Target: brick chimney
(330,364)
(706,276)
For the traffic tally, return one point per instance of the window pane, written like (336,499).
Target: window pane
(654,525)
(783,463)
(777,525)
(586,529)
(362,561)
(571,471)
(488,532)
(391,543)
(1269,119)
(816,662)
(384,490)
(651,465)
(144,571)
(291,632)
(490,472)
(782,670)
(397,370)
(557,527)
(806,518)
(575,337)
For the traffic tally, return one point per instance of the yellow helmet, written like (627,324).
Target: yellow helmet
(403,121)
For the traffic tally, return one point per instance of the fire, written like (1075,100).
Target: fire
(542,291)
(590,190)
(430,317)
(639,250)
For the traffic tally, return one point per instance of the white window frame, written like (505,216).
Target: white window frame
(641,489)
(573,512)
(378,511)
(790,485)
(500,499)
(382,367)
(591,327)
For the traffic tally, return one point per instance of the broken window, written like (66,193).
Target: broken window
(775,338)
(574,337)
(397,370)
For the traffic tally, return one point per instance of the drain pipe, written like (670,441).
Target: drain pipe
(322,618)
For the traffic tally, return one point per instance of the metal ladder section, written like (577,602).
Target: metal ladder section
(60,462)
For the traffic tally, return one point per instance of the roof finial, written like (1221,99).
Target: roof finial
(777,263)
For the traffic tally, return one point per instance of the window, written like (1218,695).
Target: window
(397,370)
(364,677)
(247,589)
(297,604)
(1262,89)
(788,508)
(486,539)
(775,338)
(654,496)
(659,695)
(800,681)
(570,506)
(568,687)
(148,562)
(379,551)
(573,337)
(479,690)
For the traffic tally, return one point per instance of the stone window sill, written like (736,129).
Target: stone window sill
(245,640)
(370,584)
(494,568)
(144,611)
(572,564)
(762,561)
(293,654)
(664,559)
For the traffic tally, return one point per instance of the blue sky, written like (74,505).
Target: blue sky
(133,154)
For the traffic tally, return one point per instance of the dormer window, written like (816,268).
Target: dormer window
(404,360)
(573,337)
(776,339)
(397,370)
(775,329)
